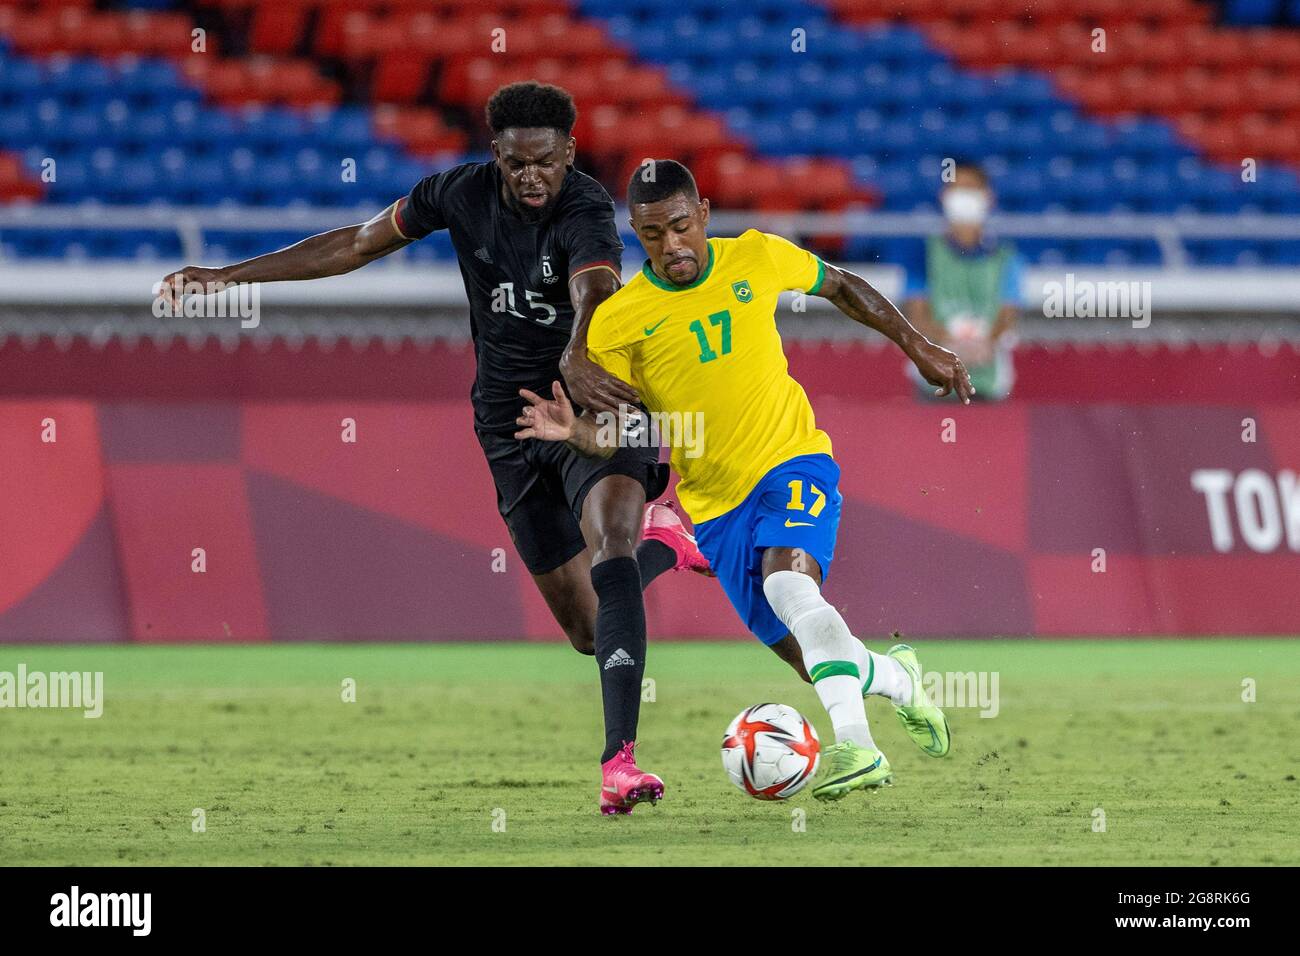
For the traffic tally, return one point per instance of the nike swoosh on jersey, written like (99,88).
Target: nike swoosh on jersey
(798,524)
(650,330)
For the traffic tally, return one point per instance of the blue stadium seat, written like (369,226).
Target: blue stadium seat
(17,128)
(134,130)
(1251,12)
(1284,253)
(77,81)
(884,92)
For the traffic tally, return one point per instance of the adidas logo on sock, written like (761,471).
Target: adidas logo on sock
(619,658)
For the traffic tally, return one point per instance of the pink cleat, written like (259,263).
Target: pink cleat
(624,785)
(663,524)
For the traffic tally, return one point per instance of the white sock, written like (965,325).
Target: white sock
(883,676)
(828,648)
(841,695)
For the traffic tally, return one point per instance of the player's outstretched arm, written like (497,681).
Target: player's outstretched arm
(591,386)
(327,254)
(857,299)
(553,419)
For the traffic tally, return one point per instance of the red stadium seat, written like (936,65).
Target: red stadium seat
(1270,90)
(970,47)
(225,81)
(1149,46)
(1216,92)
(1270,138)
(854,11)
(1096,91)
(162,34)
(15,183)
(365,38)
(1178,11)
(741,182)
(453,38)
(561,35)
(1073,45)
(330,17)
(632,134)
(1018,43)
(421,131)
(278,27)
(399,77)
(36,34)
(1147,67)
(1210,47)
(1045,12)
(633,84)
(293,83)
(108,34)
(689,132)
(330,25)
(814,183)
(1110,13)
(973,9)
(1222,140)
(1276,48)
(1144,90)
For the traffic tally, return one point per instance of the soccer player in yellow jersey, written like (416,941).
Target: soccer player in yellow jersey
(694,333)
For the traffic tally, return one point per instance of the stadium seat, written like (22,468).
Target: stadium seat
(863,112)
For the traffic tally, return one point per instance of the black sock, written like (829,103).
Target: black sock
(654,558)
(620,647)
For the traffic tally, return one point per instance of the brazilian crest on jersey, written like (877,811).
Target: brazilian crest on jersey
(711,349)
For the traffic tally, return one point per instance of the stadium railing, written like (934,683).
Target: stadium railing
(1265,299)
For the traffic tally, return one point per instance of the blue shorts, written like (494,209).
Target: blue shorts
(795,505)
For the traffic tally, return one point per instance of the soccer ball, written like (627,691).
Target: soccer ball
(770,751)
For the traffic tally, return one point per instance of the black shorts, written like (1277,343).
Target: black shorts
(541,486)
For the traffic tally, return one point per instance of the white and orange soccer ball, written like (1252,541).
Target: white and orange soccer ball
(770,751)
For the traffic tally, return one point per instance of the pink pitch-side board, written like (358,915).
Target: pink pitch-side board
(1188,498)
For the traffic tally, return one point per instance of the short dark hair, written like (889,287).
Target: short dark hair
(531,105)
(972,167)
(658,179)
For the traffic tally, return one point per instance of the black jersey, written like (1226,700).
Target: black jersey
(516,274)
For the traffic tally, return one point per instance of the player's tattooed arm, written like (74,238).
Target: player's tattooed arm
(326,254)
(857,299)
(591,386)
(553,419)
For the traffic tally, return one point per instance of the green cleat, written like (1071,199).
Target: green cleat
(846,766)
(921,718)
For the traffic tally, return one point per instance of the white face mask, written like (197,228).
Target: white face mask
(965,207)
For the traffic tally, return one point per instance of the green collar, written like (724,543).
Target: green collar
(668,286)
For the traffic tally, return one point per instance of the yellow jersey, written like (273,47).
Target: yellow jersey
(710,352)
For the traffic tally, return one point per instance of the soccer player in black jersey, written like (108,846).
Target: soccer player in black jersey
(538,251)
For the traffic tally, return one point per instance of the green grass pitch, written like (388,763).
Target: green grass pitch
(486,754)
